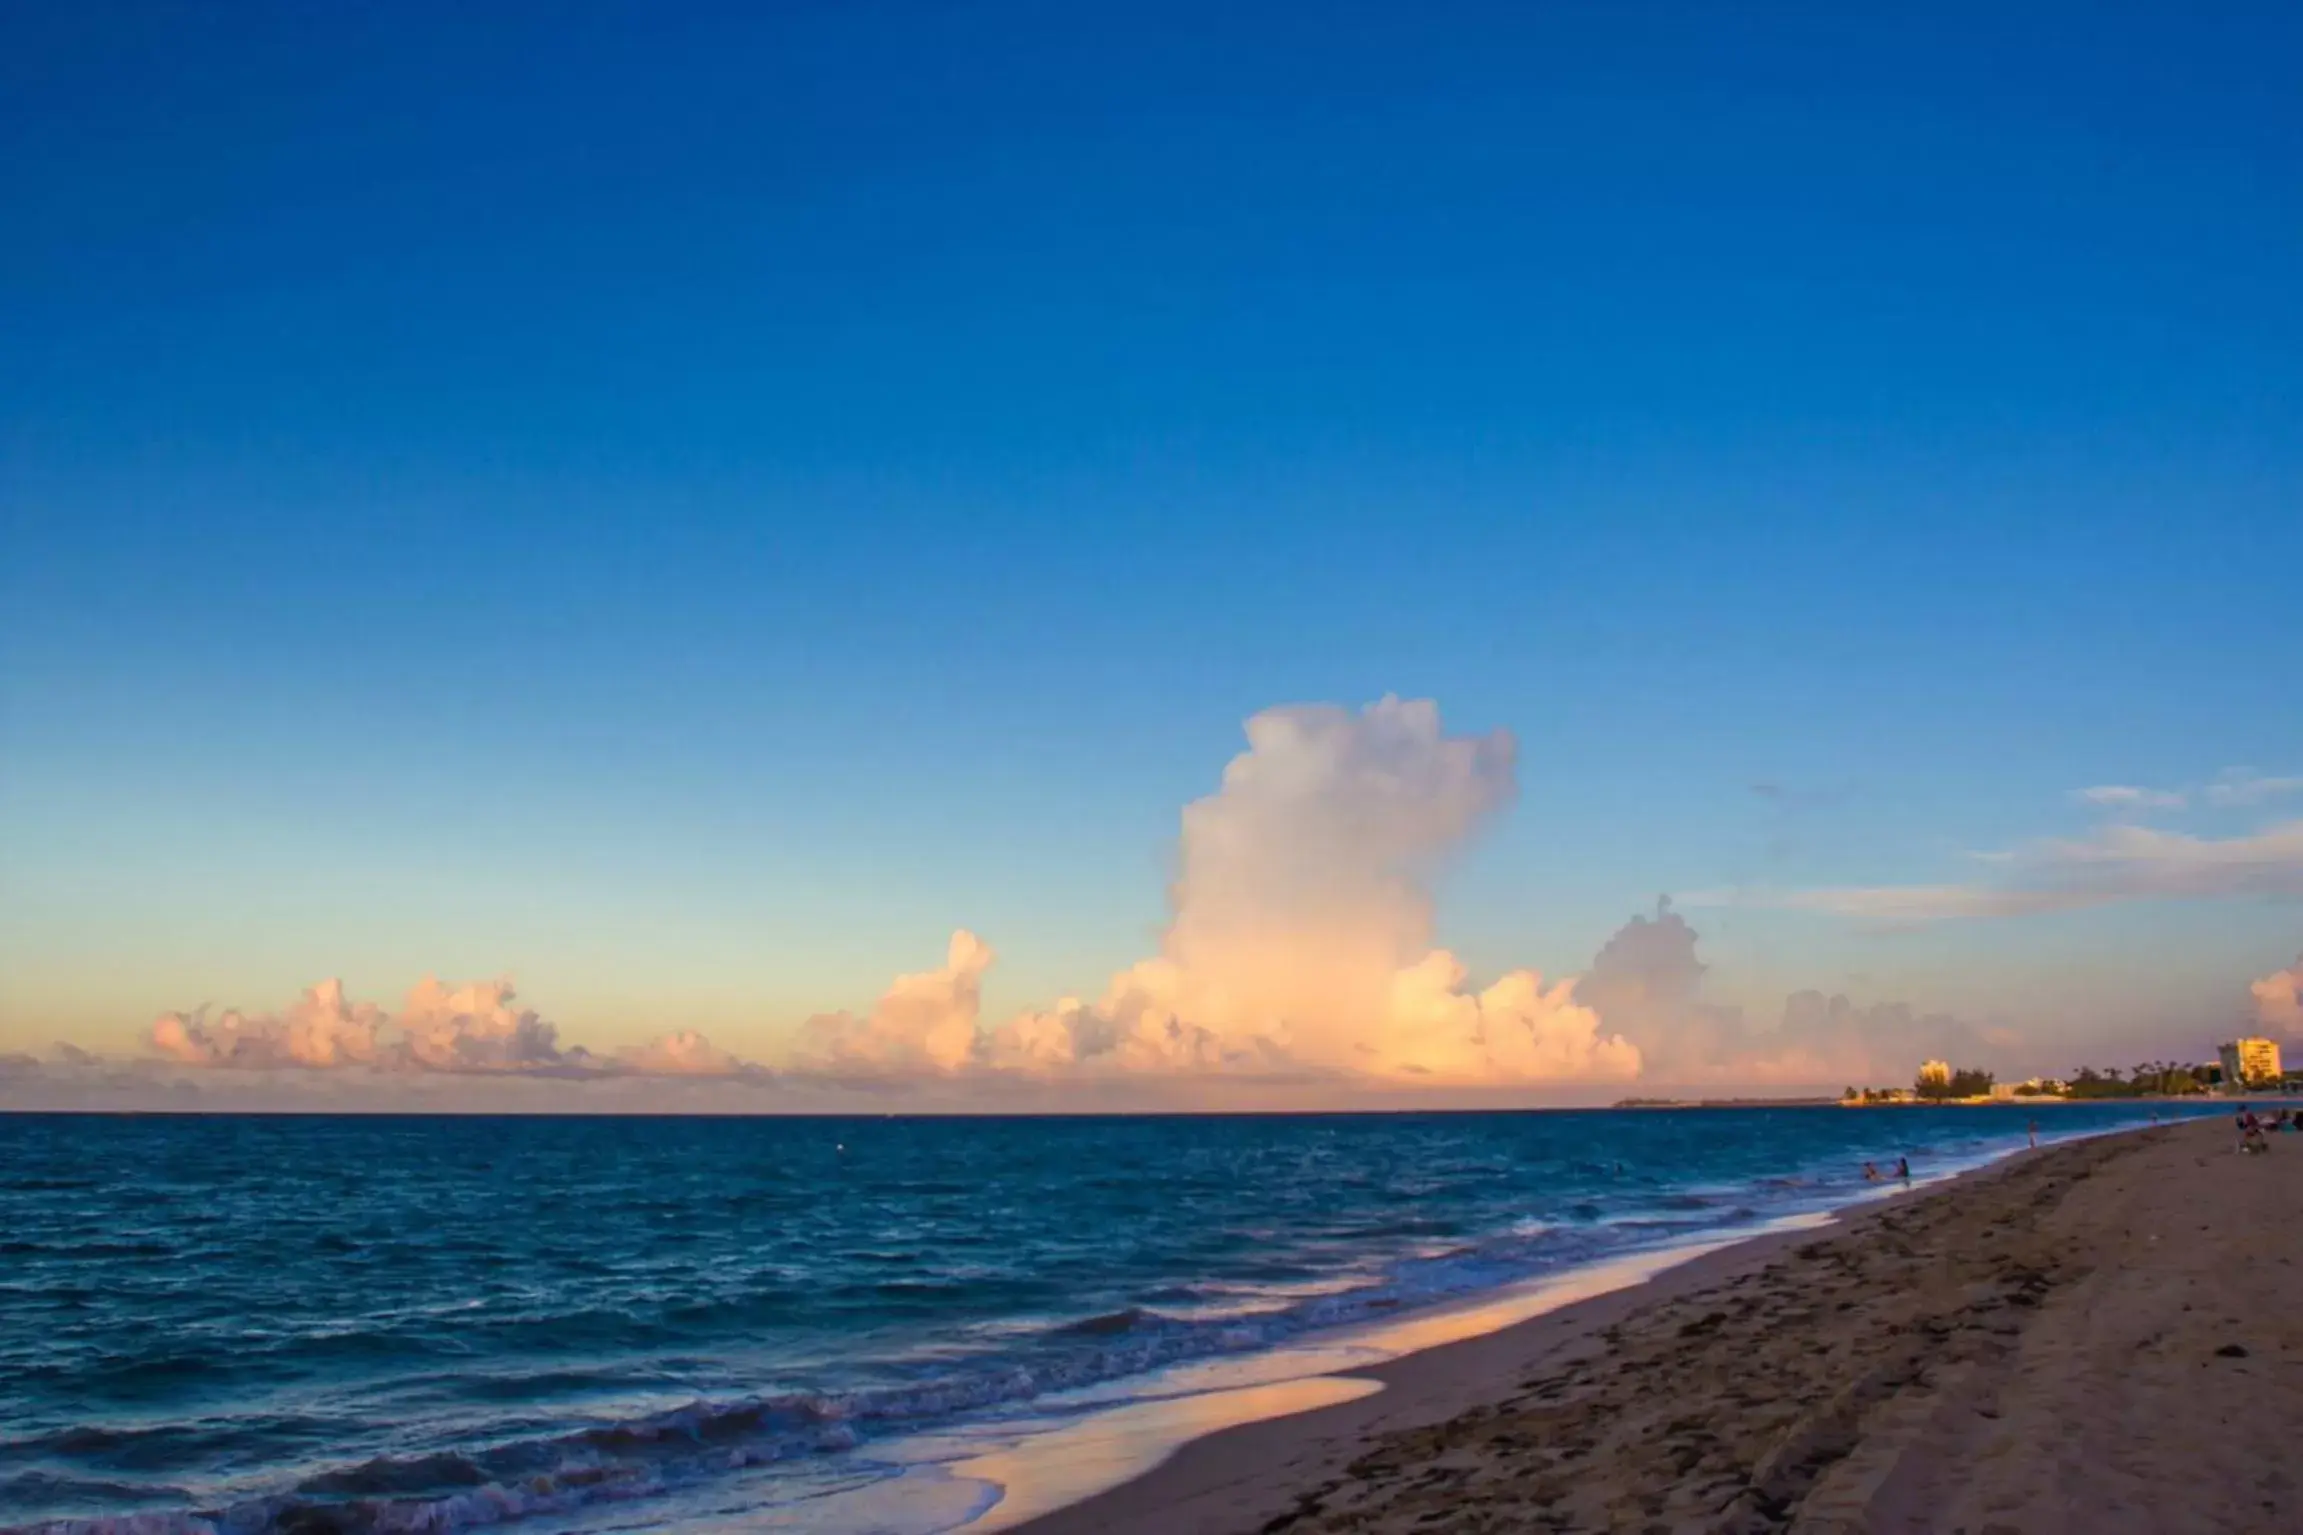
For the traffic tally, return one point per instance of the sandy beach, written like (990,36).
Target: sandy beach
(2096,1337)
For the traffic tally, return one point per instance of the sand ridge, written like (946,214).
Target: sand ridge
(2097,1337)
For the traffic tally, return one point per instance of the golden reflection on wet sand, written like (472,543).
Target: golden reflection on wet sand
(1049,1471)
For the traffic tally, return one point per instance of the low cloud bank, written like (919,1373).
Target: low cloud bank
(467,1030)
(1647,983)
(1300,957)
(1300,948)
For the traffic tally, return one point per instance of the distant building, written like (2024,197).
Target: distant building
(2247,1062)
(1934,1073)
(2003,1092)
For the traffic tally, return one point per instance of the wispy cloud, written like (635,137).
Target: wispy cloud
(2119,862)
(2232,788)
(2127,797)
(2245,786)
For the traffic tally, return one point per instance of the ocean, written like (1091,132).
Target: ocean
(265,1323)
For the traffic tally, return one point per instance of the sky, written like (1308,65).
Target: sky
(992,554)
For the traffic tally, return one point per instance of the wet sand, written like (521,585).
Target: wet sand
(2098,1337)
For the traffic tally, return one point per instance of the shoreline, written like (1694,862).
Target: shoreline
(1166,1483)
(1280,1463)
(1108,1453)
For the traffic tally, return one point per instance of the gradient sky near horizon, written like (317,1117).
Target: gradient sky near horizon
(688,505)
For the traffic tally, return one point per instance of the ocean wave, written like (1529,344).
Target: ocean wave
(387,1476)
(1013,1351)
(146,1448)
(35,1485)
(1106,1325)
(633,1457)
(487,1504)
(1184,1294)
(98,1252)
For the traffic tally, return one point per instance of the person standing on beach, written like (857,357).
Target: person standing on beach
(2033,1127)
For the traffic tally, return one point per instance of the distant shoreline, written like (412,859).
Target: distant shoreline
(2269,1096)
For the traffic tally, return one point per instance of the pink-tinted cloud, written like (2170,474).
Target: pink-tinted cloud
(1647,983)
(1134,1030)
(2279,1001)
(474,1027)
(1300,958)
(1300,938)
(470,1029)
(684,1053)
(1300,948)
(925,1022)
(320,1029)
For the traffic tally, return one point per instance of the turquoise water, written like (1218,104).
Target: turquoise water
(258,1323)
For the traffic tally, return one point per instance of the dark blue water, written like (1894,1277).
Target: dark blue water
(268,1322)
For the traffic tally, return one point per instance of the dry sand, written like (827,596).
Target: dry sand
(2094,1338)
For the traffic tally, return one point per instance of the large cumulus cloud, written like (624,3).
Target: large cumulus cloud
(1300,937)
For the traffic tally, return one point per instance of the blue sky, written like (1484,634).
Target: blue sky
(689,508)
